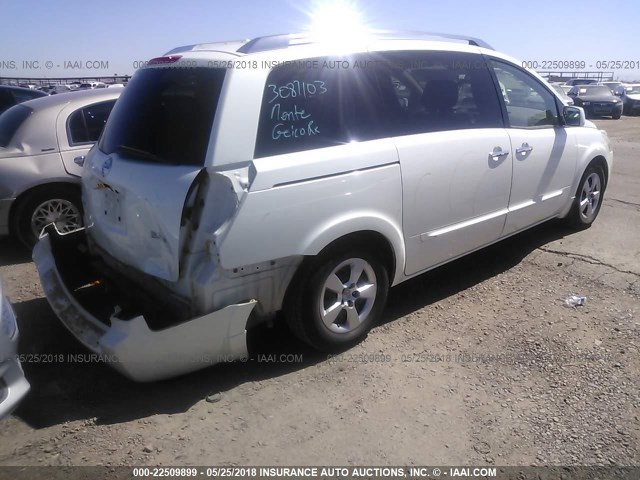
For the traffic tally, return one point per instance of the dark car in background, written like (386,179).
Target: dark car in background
(10,96)
(630,96)
(597,101)
(581,81)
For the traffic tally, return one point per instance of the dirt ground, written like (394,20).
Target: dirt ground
(478,362)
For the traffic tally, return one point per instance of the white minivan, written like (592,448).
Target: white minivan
(237,180)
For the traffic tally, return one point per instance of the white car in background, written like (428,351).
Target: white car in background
(563,94)
(39,141)
(612,85)
(59,89)
(13,384)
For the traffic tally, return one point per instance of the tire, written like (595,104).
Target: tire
(61,205)
(337,298)
(589,196)
(617,116)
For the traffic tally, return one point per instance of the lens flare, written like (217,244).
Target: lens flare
(337,21)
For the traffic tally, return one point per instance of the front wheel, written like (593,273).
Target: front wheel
(338,298)
(616,116)
(588,199)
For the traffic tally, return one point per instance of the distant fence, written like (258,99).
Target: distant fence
(564,76)
(38,81)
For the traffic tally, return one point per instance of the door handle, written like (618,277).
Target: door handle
(525,148)
(498,153)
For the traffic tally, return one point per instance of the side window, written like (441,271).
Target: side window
(438,91)
(86,124)
(528,102)
(316,103)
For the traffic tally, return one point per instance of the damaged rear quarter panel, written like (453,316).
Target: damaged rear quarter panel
(303,217)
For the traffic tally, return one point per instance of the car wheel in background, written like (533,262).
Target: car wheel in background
(60,205)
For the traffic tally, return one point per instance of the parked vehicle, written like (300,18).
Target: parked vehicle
(562,93)
(612,85)
(59,89)
(309,184)
(91,85)
(13,384)
(39,179)
(581,81)
(10,96)
(597,101)
(630,97)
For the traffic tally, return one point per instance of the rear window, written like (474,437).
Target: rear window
(86,124)
(165,115)
(10,122)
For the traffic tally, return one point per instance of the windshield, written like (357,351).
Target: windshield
(595,90)
(165,115)
(633,90)
(10,122)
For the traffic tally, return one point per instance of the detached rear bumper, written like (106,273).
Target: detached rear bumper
(130,346)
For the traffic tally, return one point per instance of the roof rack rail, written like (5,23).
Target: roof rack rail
(275,42)
(416,34)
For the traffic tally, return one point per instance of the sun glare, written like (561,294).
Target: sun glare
(337,21)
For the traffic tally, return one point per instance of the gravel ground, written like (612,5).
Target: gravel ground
(477,362)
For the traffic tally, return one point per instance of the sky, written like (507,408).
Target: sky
(40,38)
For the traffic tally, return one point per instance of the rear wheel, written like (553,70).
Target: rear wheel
(337,299)
(588,199)
(59,205)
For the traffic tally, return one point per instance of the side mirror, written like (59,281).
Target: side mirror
(573,116)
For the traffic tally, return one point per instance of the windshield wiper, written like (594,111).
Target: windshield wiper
(140,154)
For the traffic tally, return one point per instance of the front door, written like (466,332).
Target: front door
(544,153)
